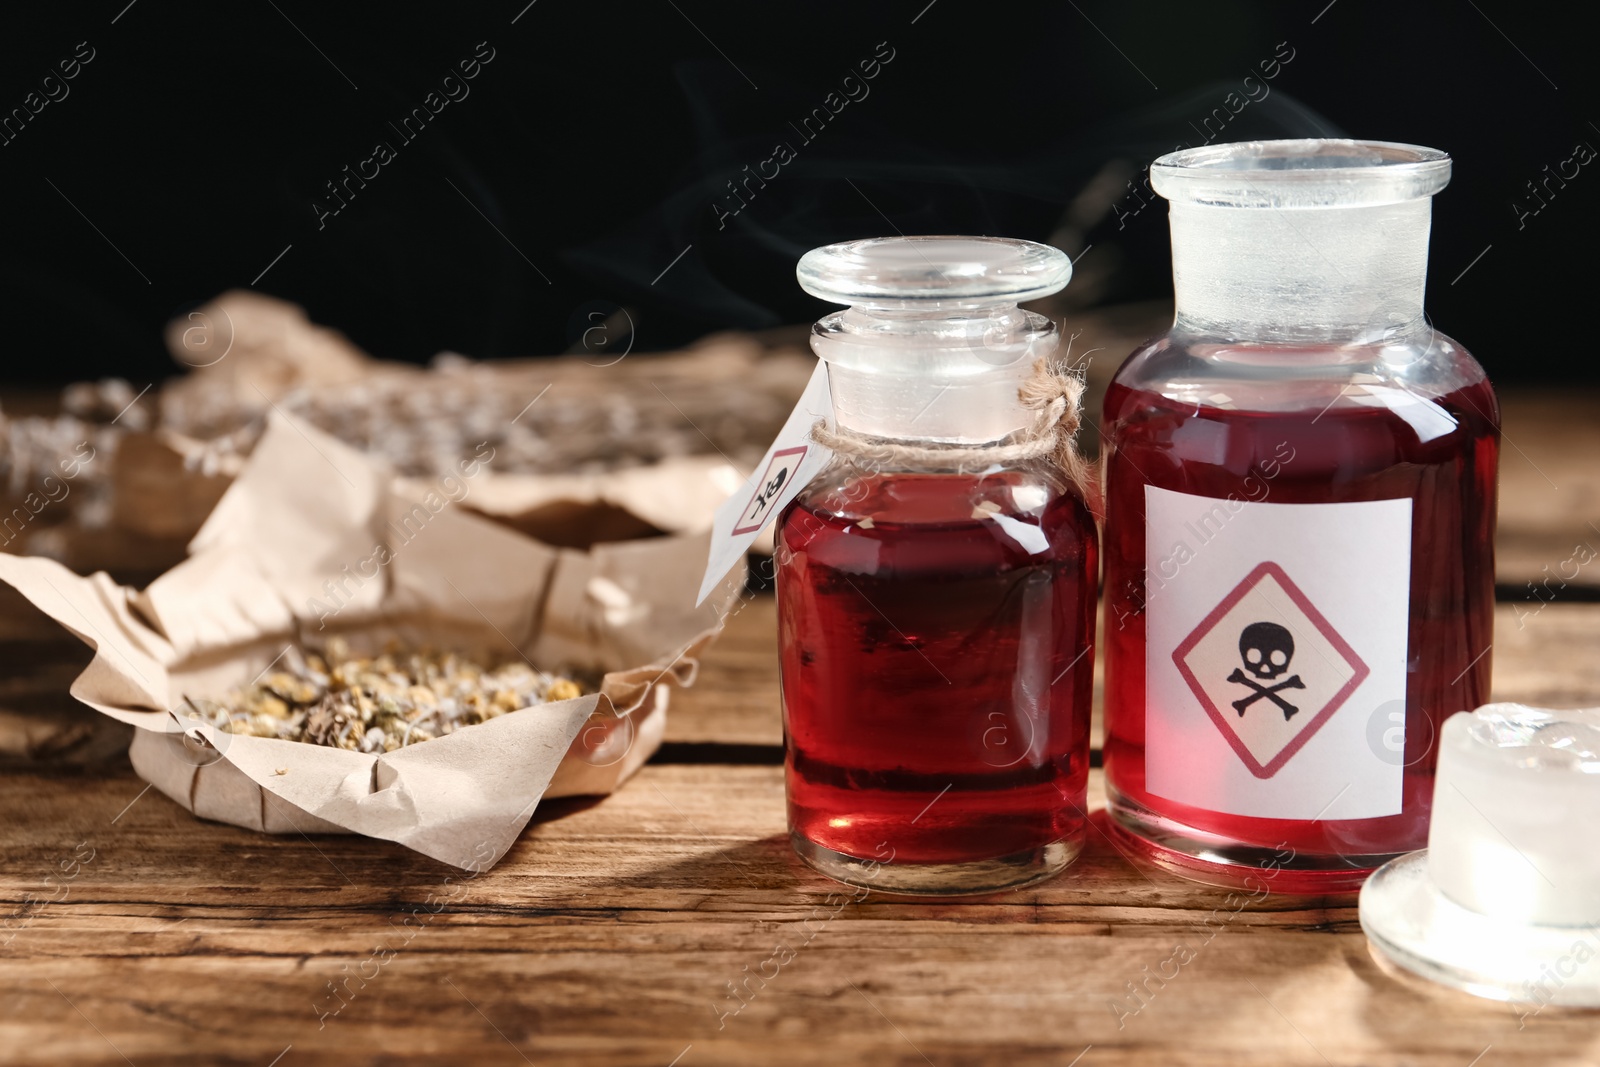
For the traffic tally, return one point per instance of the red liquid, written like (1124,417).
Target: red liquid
(1344,453)
(937,676)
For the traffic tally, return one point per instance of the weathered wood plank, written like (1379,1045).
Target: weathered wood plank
(1549,531)
(735,700)
(1545,653)
(610,935)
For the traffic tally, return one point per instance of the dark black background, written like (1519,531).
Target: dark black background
(600,136)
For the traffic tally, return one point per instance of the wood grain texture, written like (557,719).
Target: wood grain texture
(735,699)
(1546,654)
(610,934)
(1549,494)
(131,932)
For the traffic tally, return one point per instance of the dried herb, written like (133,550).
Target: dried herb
(378,703)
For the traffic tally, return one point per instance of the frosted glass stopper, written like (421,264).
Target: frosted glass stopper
(1300,241)
(1517,788)
(1505,902)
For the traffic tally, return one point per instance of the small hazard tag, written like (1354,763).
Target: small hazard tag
(769,488)
(789,465)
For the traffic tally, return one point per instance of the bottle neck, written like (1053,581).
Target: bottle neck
(948,375)
(1341,275)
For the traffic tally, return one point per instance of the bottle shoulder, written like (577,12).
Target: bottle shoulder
(851,492)
(1011,517)
(1201,372)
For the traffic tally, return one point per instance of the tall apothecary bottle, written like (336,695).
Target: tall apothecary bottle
(936,588)
(1300,514)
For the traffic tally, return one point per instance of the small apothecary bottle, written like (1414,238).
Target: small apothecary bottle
(936,582)
(1301,498)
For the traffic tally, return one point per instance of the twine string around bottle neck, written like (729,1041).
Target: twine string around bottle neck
(1054,395)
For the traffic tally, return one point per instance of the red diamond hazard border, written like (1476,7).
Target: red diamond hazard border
(1317,620)
(779,473)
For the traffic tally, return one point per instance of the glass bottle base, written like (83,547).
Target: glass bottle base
(1204,857)
(972,878)
(1410,923)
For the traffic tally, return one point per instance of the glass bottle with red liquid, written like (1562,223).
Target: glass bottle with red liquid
(936,593)
(1300,484)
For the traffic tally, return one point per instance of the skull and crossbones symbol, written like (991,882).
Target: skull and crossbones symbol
(1266,649)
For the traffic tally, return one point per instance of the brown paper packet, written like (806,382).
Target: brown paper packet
(311,539)
(167,484)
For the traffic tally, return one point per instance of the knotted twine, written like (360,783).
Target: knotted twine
(1056,398)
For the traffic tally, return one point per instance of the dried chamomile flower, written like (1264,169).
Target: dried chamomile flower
(379,703)
(563,689)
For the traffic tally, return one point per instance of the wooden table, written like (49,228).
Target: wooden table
(613,932)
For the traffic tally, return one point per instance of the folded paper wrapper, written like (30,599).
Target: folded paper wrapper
(166,484)
(246,351)
(314,539)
